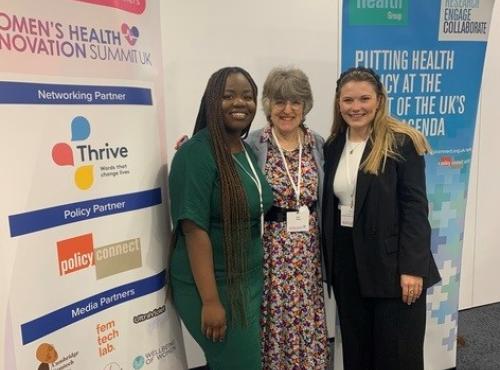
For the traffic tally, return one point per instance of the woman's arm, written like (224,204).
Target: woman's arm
(414,237)
(199,248)
(191,181)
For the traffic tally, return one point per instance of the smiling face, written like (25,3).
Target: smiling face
(287,115)
(358,103)
(238,103)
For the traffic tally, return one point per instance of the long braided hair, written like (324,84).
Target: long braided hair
(384,127)
(234,206)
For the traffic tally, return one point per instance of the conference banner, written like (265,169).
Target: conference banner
(83,217)
(430,55)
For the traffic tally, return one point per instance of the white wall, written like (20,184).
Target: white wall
(202,36)
(481,254)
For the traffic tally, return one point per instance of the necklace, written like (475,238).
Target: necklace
(287,146)
(353,147)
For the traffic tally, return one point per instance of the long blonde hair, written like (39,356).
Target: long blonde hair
(383,128)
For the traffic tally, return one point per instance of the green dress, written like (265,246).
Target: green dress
(195,195)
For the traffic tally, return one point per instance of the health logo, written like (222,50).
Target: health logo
(62,153)
(131,34)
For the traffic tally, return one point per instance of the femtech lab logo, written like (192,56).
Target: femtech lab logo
(64,154)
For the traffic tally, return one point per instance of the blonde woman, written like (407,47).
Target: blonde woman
(376,235)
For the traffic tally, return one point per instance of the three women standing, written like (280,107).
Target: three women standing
(375,231)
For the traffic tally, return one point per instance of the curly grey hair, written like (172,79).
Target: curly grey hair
(287,83)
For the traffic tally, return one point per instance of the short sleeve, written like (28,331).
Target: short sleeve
(191,182)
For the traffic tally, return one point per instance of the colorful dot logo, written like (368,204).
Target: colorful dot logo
(131,34)
(62,153)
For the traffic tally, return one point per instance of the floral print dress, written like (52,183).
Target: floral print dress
(293,310)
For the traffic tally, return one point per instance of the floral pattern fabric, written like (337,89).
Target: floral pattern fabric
(293,311)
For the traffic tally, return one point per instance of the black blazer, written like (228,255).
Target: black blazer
(391,231)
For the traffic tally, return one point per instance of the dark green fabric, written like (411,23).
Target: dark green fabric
(195,195)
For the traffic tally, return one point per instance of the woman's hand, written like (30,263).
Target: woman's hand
(411,287)
(180,141)
(213,321)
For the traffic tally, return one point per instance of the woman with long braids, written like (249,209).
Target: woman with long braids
(218,199)
(376,234)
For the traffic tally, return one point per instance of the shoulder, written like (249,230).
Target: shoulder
(254,137)
(406,151)
(255,134)
(198,149)
(404,143)
(257,140)
(333,141)
(318,140)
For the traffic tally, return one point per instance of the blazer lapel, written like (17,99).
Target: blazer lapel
(362,183)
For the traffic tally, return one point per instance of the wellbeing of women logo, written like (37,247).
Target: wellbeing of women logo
(45,37)
(81,155)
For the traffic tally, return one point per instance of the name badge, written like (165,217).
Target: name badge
(346,216)
(298,221)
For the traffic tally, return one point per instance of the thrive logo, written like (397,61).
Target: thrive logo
(63,153)
(131,34)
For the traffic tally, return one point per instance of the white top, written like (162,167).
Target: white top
(344,183)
